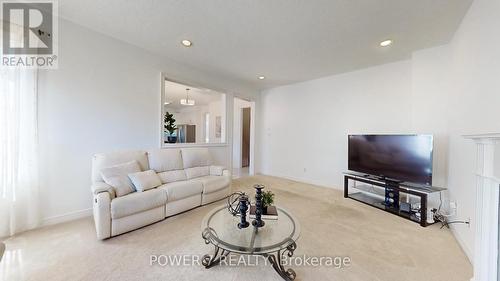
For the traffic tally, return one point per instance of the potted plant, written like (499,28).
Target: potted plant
(170,127)
(267,200)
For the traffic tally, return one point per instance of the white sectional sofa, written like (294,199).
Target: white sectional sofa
(188,180)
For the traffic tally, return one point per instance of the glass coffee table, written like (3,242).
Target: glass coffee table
(274,240)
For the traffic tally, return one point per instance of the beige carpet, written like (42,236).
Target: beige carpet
(381,246)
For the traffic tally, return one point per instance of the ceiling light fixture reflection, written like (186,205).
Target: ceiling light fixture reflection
(187,101)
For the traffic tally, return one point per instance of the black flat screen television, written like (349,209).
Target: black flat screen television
(405,158)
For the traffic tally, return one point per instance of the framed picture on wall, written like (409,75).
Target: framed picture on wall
(218,126)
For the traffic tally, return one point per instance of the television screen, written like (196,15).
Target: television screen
(399,157)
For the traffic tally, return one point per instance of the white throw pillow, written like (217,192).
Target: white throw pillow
(117,177)
(216,170)
(145,180)
(197,172)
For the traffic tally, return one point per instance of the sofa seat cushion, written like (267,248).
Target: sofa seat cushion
(137,202)
(181,189)
(214,183)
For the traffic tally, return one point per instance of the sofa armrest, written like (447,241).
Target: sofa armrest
(2,250)
(99,187)
(217,170)
(102,214)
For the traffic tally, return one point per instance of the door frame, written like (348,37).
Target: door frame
(251,166)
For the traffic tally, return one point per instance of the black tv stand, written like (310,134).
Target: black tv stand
(390,182)
(406,200)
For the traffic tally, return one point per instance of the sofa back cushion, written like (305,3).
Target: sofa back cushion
(162,160)
(172,176)
(196,172)
(117,177)
(195,157)
(104,160)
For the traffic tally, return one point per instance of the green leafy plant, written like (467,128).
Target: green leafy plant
(267,198)
(169,123)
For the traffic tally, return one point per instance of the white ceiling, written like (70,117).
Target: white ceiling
(174,92)
(285,40)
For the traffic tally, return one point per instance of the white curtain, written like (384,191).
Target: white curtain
(19,196)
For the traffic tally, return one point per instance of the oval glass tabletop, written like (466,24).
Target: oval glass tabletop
(220,228)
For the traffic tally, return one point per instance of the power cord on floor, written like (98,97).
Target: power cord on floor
(443,219)
(447,224)
(439,217)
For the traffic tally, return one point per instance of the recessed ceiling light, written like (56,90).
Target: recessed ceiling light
(386,43)
(186,43)
(262,77)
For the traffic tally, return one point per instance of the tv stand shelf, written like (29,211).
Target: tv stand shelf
(372,191)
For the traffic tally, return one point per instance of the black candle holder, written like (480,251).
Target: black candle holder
(243,211)
(258,222)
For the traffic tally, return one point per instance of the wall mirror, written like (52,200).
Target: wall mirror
(192,115)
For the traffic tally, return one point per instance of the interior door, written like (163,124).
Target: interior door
(191,133)
(245,142)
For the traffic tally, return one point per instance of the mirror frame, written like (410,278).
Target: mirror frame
(164,77)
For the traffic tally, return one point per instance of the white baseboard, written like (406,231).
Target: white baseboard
(303,180)
(462,244)
(67,217)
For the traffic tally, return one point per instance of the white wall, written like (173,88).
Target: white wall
(430,80)
(474,102)
(458,85)
(448,91)
(304,135)
(105,96)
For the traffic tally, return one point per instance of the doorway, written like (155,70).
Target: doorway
(245,136)
(243,125)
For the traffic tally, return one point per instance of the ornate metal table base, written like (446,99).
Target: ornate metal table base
(208,261)
(276,260)
(218,229)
